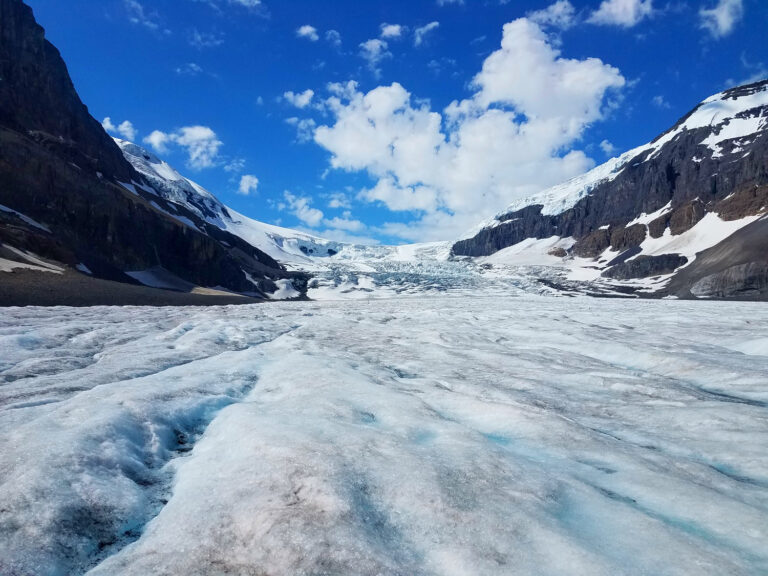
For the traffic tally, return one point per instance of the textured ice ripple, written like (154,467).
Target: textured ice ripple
(433,436)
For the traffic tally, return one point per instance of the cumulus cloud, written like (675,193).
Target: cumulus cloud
(561,15)
(108,125)
(721,19)
(299,99)
(333,37)
(248,184)
(300,206)
(374,51)
(305,128)
(346,223)
(199,142)
(455,168)
(421,33)
(625,13)
(392,30)
(308,32)
(124,129)
(127,131)
(660,102)
(608,148)
(338,200)
(159,141)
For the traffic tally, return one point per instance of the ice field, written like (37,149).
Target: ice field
(413,436)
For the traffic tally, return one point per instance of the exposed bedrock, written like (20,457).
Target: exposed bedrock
(646,266)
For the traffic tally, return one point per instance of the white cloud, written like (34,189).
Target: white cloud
(305,128)
(721,19)
(447,2)
(299,99)
(199,142)
(401,198)
(137,14)
(201,40)
(420,33)
(660,102)
(392,30)
(125,129)
(235,165)
(189,69)
(626,13)
(255,6)
(308,32)
(608,148)
(248,184)
(333,37)
(300,207)
(346,223)
(338,200)
(374,51)
(159,141)
(108,125)
(455,168)
(561,15)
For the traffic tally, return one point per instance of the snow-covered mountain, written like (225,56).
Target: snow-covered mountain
(289,247)
(683,215)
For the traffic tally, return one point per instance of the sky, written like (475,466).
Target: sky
(403,120)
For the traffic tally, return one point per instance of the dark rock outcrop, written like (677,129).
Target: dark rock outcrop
(646,267)
(740,281)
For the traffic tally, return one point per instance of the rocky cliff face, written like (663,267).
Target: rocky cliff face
(38,99)
(706,174)
(87,205)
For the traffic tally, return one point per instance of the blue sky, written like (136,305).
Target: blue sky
(402,120)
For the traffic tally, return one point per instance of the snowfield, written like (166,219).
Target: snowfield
(411,436)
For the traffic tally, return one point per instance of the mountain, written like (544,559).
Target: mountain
(70,201)
(684,215)
(291,248)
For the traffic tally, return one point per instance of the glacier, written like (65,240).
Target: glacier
(440,435)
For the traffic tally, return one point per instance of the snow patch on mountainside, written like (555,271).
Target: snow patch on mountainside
(24,218)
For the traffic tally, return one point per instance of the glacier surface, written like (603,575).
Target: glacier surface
(416,436)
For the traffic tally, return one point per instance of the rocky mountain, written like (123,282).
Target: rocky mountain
(684,215)
(291,248)
(70,200)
